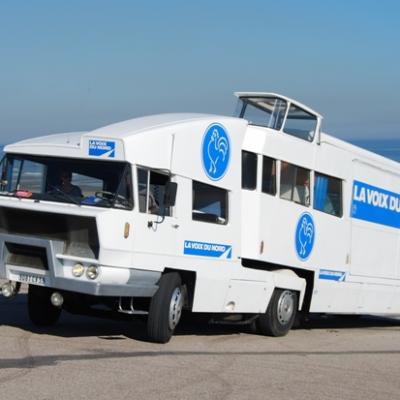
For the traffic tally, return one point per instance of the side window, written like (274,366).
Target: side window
(249,170)
(328,194)
(3,172)
(300,123)
(210,204)
(11,168)
(151,190)
(295,183)
(269,176)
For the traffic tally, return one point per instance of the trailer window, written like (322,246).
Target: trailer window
(300,123)
(210,203)
(249,170)
(151,190)
(328,194)
(295,183)
(264,111)
(269,176)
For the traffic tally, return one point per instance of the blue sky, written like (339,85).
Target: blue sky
(77,65)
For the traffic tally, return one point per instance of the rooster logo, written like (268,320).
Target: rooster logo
(305,236)
(216,151)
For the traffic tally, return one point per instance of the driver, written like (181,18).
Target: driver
(66,185)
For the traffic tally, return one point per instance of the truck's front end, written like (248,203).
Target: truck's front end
(65,224)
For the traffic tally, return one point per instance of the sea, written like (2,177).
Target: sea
(389,148)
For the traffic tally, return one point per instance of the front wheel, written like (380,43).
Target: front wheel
(280,314)
(41,311)
(165,308)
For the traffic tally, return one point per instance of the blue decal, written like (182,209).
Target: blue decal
(207,249)
(305,234)
(373,204)
(216,151)
(101,148)
(327,274)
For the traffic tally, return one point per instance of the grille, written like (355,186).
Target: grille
(27,256)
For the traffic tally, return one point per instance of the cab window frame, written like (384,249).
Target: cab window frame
(153,203)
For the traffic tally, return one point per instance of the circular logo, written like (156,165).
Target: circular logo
(215,151)
(305,235)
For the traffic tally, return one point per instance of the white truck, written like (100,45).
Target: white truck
(254,218)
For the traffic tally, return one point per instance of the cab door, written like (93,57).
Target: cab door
(155,225)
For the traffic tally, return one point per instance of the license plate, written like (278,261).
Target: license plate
(31,279)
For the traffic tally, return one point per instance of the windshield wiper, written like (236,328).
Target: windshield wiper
(66,195)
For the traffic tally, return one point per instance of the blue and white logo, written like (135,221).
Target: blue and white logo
(305,235)
(215,250)
(101,148)
(329,275)
(374,204)
(216,151)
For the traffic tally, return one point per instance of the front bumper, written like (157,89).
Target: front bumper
(112,281)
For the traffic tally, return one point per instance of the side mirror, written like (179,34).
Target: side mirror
(170,194)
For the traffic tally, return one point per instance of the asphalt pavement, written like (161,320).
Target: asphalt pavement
(92,358)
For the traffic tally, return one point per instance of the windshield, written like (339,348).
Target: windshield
(83,182)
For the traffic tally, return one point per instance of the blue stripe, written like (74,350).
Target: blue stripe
(376,205)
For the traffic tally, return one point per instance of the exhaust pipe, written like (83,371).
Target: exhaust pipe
(10,289)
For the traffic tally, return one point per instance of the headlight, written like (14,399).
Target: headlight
(78,270)
(92,272)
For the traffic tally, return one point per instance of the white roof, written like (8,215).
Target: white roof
(69,139)
(119,130)
(125,129)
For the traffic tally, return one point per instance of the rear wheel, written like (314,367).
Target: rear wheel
(165,308)
(280,314)
(41,311)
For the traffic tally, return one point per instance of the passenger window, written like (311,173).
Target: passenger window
(295,183)
(210,203)
(328,194)
(249,170)
(151,190)
(269,176)
(300,123)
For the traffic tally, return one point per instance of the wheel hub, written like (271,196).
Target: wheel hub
(285,307)
(175,308)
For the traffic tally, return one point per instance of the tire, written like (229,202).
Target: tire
(280,315)
(165,308)
(40,310)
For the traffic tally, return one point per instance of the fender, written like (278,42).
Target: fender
(287,279)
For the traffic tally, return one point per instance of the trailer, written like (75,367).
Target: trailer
(255,218)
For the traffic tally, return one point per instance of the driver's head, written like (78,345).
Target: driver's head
(65,176)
